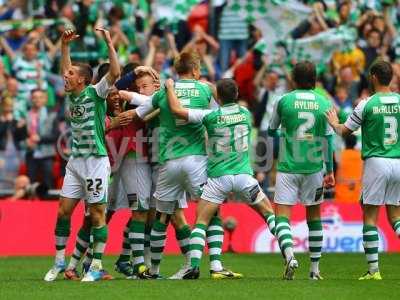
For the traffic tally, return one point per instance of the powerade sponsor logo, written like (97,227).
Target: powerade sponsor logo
(339,235)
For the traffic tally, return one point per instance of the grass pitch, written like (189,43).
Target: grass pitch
(22,278)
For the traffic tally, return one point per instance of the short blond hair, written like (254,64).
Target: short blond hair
(186,62)
(149,71)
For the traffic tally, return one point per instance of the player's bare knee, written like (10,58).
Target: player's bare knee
(178,219)
(370,214)
(283,210)
(64,211)
(97,214)
(313,212)
(206,212)
(140,216)
(65,208)
(163,217)
(393,213)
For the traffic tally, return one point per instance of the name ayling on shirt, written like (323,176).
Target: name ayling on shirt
(303,101)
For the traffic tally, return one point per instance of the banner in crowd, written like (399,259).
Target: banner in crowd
(319,48)
(27,228)
(31,24)
(172,10)
(275,18)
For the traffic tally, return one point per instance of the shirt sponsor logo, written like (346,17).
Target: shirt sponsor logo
(389,99)
(305,96)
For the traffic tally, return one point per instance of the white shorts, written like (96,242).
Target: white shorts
(117,197)
(381,181)
(176,176)
(243,185)
(87,178)
(182,202)
(306,188)
(131,186)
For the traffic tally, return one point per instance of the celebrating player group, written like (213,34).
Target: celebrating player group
(151,147)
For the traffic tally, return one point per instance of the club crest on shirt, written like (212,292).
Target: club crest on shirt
(78,111)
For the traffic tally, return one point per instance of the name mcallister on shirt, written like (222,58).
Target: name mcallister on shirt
(311,105)
(231,119)
(386,109)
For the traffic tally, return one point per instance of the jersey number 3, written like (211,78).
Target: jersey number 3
(390,130)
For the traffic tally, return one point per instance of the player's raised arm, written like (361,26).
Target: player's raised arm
(114,71)
(67,37)
(174,104)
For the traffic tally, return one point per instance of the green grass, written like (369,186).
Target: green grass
(21,278)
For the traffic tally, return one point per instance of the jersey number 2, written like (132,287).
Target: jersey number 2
(309,118)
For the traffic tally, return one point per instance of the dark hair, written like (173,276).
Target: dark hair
(383,72)
(102,71)
(350,141)
(186,62)
(376,31)
(85,71)
(116,12)
(304,75)
(37,90)
(129,67)
(227,90)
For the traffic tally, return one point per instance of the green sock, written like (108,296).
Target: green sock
(396,227)
(125,255)
(136,238)
(157,243)
(100,235)
(284,235)
(147,256)
(270,219)
(183,237)
(197,243)
(62,232)
(371,244)
(81,245)
(315,238)
(215,238)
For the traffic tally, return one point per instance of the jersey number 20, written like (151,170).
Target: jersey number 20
(240,136)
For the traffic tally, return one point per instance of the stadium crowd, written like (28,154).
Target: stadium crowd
(33,115)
